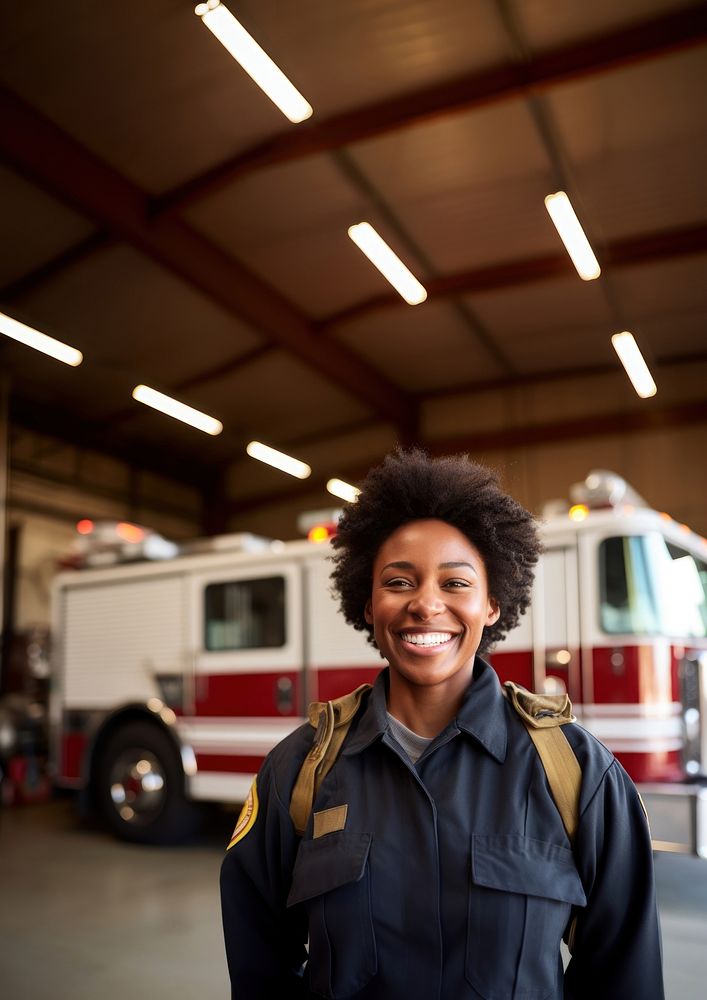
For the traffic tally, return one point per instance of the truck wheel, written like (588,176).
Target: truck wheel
(140,787)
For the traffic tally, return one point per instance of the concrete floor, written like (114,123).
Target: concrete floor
(84,917)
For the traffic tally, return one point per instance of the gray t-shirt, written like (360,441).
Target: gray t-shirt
(413,745)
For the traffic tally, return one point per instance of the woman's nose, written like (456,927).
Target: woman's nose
(425,604)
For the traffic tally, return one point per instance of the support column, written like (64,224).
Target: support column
(4,488)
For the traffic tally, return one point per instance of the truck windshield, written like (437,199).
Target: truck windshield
(648,585)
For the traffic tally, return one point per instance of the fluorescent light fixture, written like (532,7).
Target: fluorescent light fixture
(39,341)
(389,264)
(257,63)
(285,463)
(636,368)
(344,490)
(572,235)
(180,411)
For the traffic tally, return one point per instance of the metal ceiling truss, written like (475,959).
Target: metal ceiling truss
(649,39)
(61,426)
(556,375)
(55,266)
(645,248)
(564,177)
(630,250)
(53,159)
(469,319)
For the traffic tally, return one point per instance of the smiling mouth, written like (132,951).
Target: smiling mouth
(427,639)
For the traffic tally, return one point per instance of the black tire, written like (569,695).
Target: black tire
(140,786)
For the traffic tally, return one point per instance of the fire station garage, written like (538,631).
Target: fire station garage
(250,248)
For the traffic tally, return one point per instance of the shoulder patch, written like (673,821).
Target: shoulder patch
(247,816)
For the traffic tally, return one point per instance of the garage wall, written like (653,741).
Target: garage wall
(52,485)
(666,465)
(661,466)
(43,542)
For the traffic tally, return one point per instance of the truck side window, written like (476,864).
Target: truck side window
(245,614)
(651,586)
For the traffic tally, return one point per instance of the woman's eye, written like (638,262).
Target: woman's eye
(456,584)
(397,581)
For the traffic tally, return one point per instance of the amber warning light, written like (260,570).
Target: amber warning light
(104,543)
(129,532)
(321,532)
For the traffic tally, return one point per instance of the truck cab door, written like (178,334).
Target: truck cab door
(247,637)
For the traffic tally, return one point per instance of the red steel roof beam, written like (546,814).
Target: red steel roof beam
(630,250)
(635,43)
(62,166)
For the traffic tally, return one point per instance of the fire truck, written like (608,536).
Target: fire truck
(173,679)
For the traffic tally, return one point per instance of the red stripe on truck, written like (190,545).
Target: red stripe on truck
(73,747)
(660,765)
(228,763)
(336,681)
(514,666)
(236,695)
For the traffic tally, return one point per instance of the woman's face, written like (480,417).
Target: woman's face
(429,604)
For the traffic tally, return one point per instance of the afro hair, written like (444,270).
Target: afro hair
(411,486)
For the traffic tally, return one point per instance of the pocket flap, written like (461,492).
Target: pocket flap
(513,863)
(327,863)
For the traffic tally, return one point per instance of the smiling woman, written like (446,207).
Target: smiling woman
(428,608)
(435,861)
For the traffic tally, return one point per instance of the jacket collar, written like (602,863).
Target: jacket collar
(482,714)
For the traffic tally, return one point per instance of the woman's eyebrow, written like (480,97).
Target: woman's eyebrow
(444,565)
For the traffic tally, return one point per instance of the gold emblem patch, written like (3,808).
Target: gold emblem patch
(247,816)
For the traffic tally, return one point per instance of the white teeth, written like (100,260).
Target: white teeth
(426,638)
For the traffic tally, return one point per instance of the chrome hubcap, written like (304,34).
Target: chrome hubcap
(137,786)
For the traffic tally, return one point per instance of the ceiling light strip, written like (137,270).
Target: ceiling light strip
(39,341)
(254,60)
(572,235)
(343,490)
(636,368)
(180,411)
(278,460)
(388,263)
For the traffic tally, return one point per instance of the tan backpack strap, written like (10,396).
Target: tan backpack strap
(543,715)
(332,720)
(303,792)
(564,774)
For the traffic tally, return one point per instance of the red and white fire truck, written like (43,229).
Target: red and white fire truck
(173,679)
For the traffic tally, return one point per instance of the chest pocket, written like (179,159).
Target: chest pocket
(520,897)
(332,879)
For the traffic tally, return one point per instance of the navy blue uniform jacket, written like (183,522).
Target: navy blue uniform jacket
(452,878)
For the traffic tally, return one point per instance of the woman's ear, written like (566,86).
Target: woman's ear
(368,612)
(494,612)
